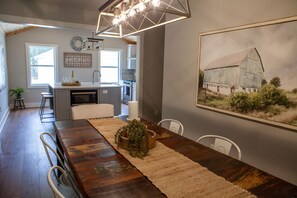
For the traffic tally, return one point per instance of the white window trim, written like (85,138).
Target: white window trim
(29,85)
(120,62)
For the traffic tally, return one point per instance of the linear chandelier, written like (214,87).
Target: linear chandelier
(121,18)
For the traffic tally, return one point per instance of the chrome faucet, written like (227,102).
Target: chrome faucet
(94,75)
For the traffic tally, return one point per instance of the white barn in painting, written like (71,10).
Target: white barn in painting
(239,72)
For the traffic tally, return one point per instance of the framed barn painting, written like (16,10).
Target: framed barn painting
(251,71)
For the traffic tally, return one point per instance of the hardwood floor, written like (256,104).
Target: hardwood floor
(23,162)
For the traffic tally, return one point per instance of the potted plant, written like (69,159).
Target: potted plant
(17,92)
(136,138)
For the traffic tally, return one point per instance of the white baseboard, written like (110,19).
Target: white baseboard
(3,120)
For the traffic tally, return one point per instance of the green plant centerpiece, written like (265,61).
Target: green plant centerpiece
(135,138)
(17,92)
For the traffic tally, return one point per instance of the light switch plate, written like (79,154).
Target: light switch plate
(105,91)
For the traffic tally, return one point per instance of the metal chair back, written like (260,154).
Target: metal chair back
(60,190)
(60,158)
(221,144)
(172,125)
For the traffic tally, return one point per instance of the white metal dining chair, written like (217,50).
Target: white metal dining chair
(92,111)
(63,189)
(60,158)
(172,125)
(221,144)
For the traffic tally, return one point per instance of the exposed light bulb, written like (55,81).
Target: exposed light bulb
(123,17)
(116,21)
(132,12)
(141,7)
(156,3)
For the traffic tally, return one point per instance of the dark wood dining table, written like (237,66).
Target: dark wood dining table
(95,180)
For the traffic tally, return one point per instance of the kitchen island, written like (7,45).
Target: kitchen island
(64,97)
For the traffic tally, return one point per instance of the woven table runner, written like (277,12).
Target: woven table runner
(171,172)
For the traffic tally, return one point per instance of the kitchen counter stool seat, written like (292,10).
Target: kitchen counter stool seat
(46,93)
(44,97)
(42,100)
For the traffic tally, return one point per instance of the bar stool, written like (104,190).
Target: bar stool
(19,103)
(43,100)
(44,97)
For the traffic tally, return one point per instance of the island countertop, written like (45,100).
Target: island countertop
(64,97)
(84,85)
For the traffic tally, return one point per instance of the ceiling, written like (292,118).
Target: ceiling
(19,7)
(81,4)
(12,28)
(51,12)
(8,28)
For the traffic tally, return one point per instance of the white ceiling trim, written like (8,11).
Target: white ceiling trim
(41,22)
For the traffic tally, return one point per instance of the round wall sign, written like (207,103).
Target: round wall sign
(76,43)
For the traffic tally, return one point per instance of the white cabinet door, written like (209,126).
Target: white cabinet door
(131,51)
(131,63)
(131,58)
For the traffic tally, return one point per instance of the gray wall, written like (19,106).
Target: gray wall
(152,70)
(4,110)
(16,59)
(269,148)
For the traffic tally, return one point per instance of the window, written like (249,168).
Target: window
(109,66)
(41,64)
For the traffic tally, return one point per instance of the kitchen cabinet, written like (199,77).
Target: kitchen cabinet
(131,56)
(111,96)
(62,107)
(62,98)
(131,64)
(131,51)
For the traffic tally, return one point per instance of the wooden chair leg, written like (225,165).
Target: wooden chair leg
(19,104)
(23,104)
(14,104)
